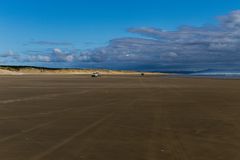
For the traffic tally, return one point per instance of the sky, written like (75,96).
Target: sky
(152,35)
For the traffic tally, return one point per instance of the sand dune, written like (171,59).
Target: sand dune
(8,72)
(35,70)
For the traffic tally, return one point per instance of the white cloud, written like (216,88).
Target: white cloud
(69,58)
(231,21)
(59,55)
(39,58)
(9,54)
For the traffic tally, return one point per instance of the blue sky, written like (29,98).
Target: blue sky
(57,32)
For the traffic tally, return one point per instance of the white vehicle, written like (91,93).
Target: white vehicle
(96,74)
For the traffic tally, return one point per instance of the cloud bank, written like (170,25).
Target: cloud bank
(186,48)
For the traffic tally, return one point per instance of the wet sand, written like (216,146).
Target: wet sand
(67,117)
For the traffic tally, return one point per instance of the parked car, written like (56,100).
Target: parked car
(96,74)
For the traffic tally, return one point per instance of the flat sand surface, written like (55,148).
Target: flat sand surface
(118,118)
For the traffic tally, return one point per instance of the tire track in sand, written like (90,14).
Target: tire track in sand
(68,139)
(46,124)
(26,131)
(46,96)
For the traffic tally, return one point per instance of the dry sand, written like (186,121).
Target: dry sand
(72,117)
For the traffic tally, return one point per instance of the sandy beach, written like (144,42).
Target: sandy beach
(69,117)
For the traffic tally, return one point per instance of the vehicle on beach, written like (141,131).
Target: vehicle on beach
(96,74)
